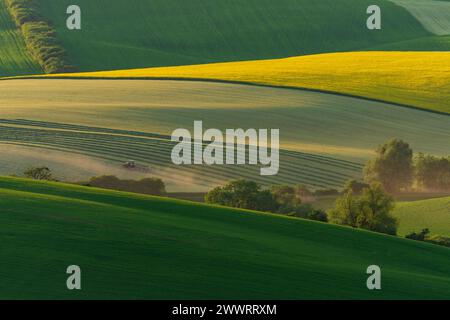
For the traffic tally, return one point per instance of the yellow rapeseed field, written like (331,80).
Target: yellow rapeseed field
(419,79)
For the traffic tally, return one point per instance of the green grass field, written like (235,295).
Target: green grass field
(413,211)
(317,151)
(175,32)
(130,246)
(417,215)
(434,15)
(14,58)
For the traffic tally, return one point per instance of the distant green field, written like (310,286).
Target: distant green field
(176,32)
(433,14)
(417,215)
(134,247)
(14,58)
(317,151)
(413,211)
(437,43)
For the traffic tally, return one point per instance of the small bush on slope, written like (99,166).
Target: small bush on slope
(150,186)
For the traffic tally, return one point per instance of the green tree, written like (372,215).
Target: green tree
(346,210)
(287,197)
(392,166)
(371,211)
(375,211)
(306,211)
(243,194)
(278,199)
(432,173)
(355,186)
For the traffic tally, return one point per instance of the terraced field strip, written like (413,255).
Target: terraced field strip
(312,170)
(314,123)
(124,133)
(94,144)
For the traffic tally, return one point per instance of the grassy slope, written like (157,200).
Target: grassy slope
(434,15)
(418,79)
(414,212)
(14,58)
(439,43)
(176,32)
(417,215)
(131,246)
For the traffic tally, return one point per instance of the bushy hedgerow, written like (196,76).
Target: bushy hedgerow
(424,235)
(279,199)
(39,35)
(152,186)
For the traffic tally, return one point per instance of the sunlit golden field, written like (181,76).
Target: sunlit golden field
(419,79)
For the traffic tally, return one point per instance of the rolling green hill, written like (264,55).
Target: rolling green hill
(132,247)
(175,32)
(434,15)
(317,151)
(417,215)
(14,57)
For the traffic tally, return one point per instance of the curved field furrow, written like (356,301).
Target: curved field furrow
(181,175)
(218,173)
(148,151)
(137,142)
(350,131)
(204,176)
(345,164)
